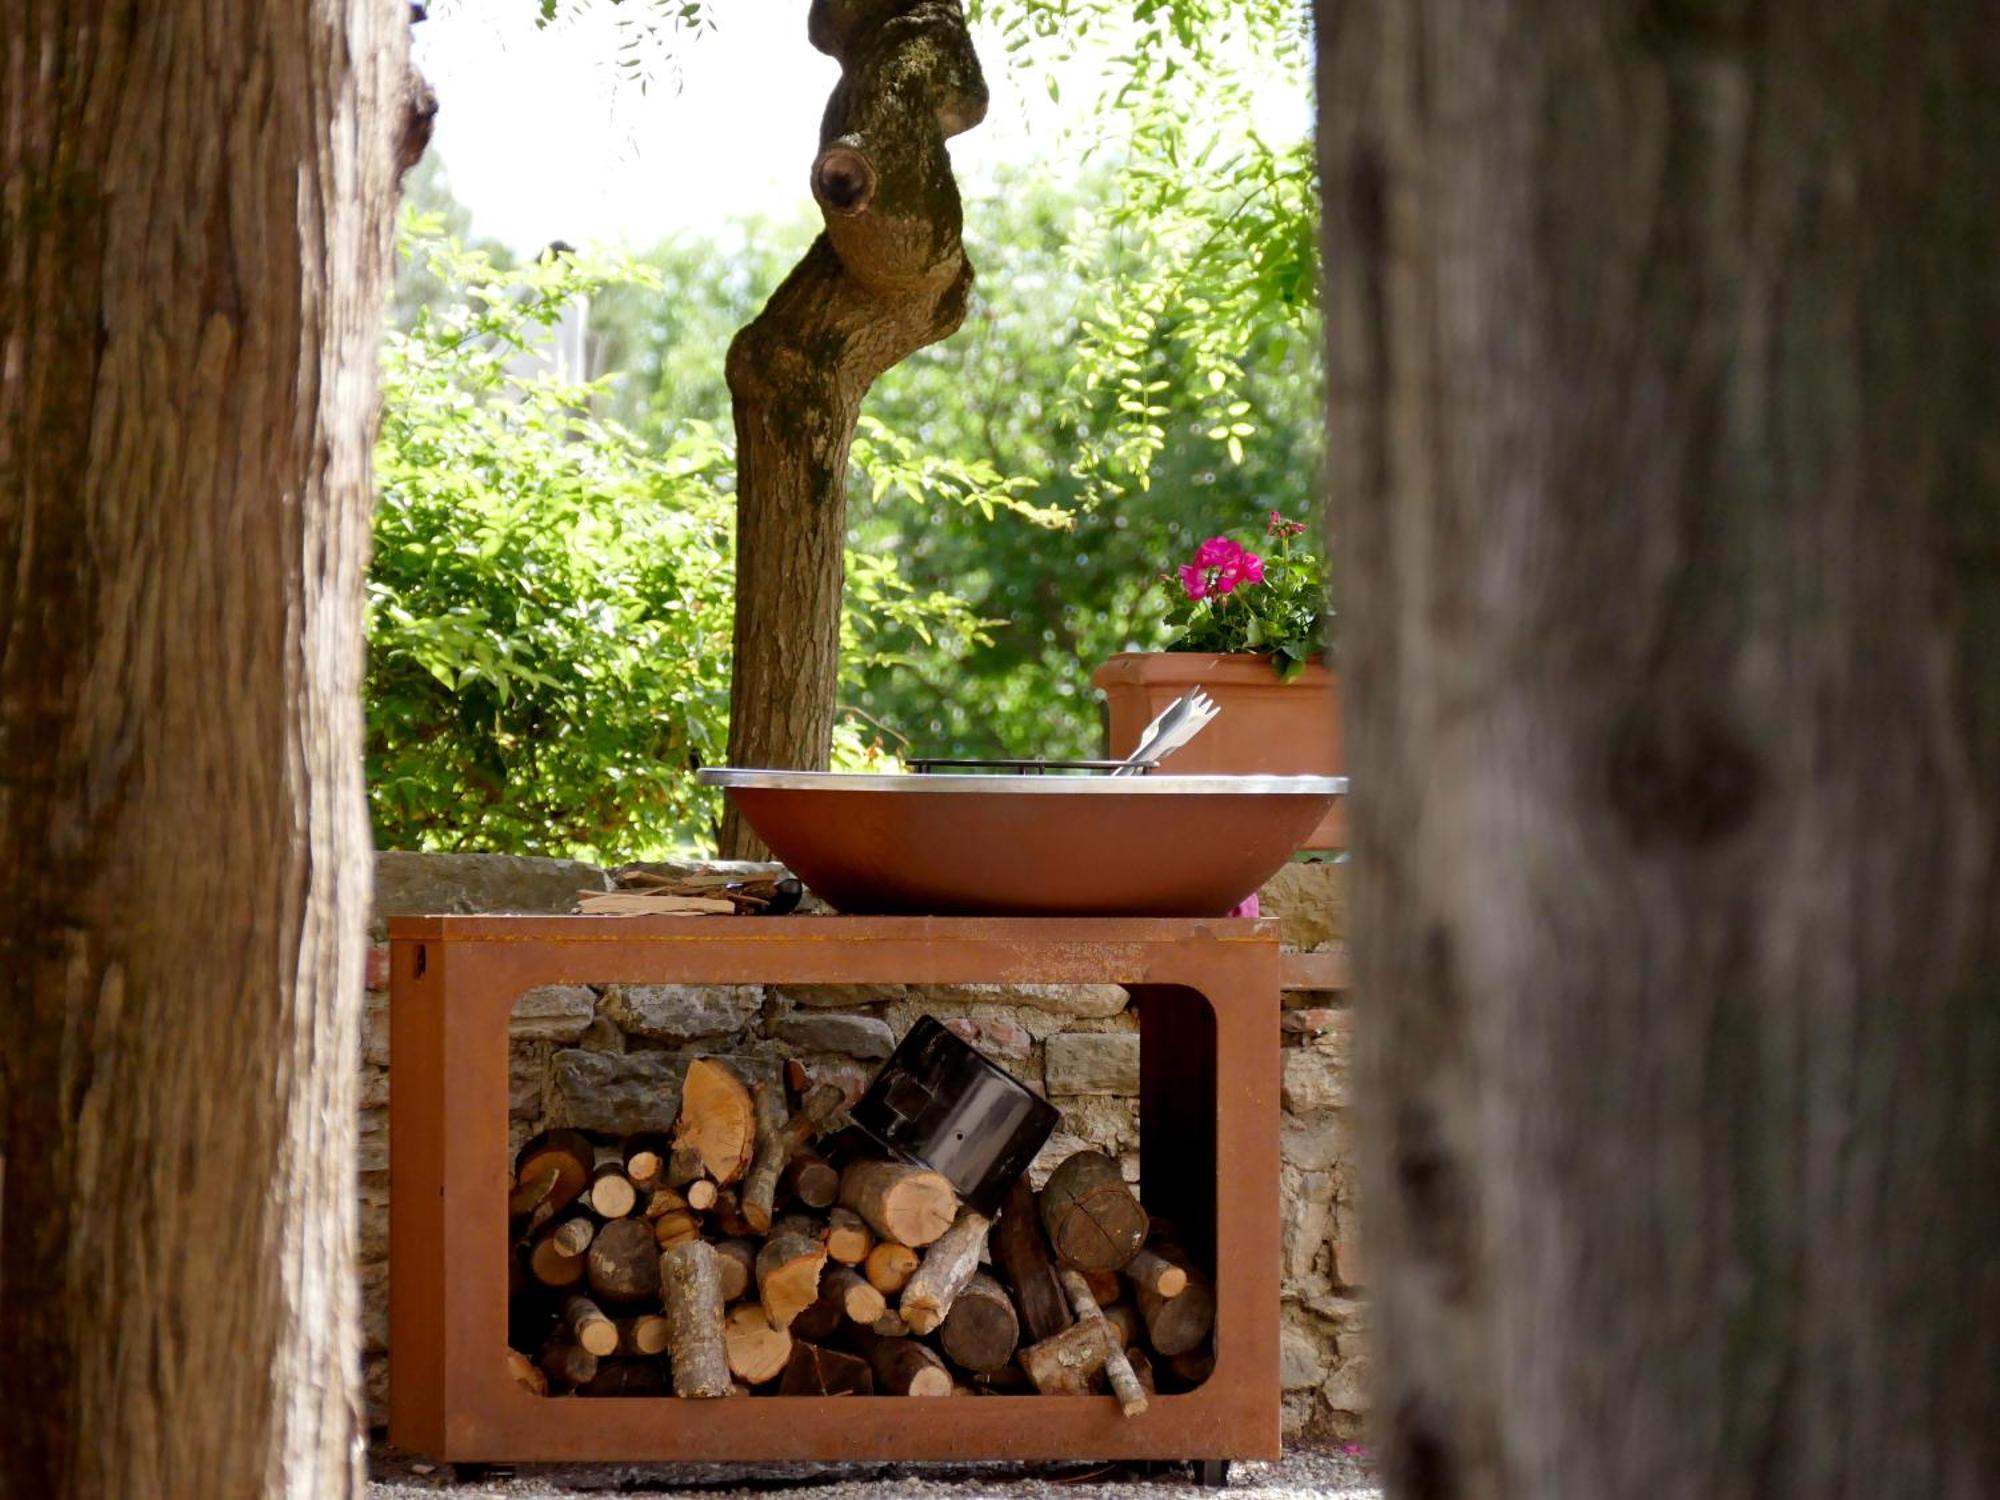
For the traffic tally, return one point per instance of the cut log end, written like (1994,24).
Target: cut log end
(1093,1221)
(756,1351)
(718,1118)
(1157,1274)
(889,1267)
(982,1329)
(788,1270)
(910,1205)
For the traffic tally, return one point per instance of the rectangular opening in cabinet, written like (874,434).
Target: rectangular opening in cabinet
(634,1134)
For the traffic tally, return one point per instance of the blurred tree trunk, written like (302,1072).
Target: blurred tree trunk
(1665,490)
(194,243)
(886,278)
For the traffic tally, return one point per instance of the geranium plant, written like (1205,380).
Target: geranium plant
(1235,600)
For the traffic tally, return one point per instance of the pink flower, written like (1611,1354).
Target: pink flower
(1216,552)
(1279,526)
(1220,566)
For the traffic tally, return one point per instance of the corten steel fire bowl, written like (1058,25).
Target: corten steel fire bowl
(1124,846)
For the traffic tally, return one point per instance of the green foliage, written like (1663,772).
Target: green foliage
(1139,369)
(549,605)
(551,596)
(1059,576)
(1210,204)
(1231,599)
(1006,389)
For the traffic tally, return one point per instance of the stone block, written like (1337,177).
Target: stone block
(1305,1209)
(527,1075)
(1303,1357)
(1051,999)
(1058,1149)
(375,1031)
(1346,1388)
(374,1141)
(375,1389)
(372,1192)
(1347,1263)
(682,1012)
(1095,1123)
(553,1013)
(374,1325)
(1346,1312)
(1315,1079)
(374,1087)
(377,969)
(837,996)
(1298,1415)
(1318,1142)
(601,1036)
(410,884)
(615,1092)
(1092,1063)
(1003,1040)
(1314,1020)
(853,1036)
(1350,1429)
(1310,903)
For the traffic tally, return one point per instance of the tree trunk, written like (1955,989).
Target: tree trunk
(194,241)
(1664,414)
(886,278)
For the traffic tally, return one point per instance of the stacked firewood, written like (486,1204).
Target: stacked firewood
(648,893)
(760,1247)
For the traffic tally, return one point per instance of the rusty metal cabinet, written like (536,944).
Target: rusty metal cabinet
(1207,998)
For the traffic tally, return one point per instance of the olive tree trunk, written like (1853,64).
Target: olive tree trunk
(887,277)
(1665,436)
(195,209)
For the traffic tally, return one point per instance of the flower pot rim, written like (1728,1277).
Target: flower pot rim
(1204,666)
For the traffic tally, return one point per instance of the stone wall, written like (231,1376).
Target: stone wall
(610,1058)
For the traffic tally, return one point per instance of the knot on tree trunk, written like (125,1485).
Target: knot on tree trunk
(843,178)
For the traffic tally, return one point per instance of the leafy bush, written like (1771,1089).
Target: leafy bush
(551,595)
(550,602)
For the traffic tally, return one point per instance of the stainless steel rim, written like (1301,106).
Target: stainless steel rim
(1027,786)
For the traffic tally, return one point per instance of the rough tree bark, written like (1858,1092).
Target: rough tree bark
(195,211)
(1664,423)
(887,277)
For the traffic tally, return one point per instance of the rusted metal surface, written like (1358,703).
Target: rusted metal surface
(1174,846)
(1207,992)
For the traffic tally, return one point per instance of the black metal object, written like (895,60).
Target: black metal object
(1211,1473)
(923,765)
(937,1102)
(785,898)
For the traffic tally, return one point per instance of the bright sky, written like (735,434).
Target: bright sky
(543,137)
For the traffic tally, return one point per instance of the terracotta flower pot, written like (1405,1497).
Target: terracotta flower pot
(1266,725)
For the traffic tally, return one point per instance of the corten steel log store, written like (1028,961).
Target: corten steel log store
(1207,995)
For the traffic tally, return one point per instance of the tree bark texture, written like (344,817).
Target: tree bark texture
(1665,503)
(195,213)
(887,277)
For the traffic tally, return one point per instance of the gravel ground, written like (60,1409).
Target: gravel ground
(1298,1476)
